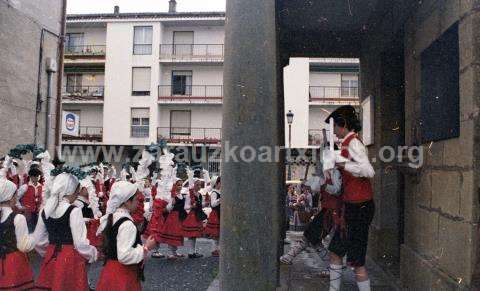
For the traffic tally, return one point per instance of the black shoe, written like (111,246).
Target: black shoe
(195,256)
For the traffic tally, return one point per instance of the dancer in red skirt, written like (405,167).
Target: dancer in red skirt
(212,229)
(62,238)
(87,201)
(31,199)
(193,225)
(123,248)
(15,271)
(171,232)
(157,220)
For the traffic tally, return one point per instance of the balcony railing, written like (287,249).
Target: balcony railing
(86,133)
(190,135)
(190,93)
(83,93)
(333,94)
(191,51)
(85,50)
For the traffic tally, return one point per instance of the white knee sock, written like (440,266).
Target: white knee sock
(191,245)
(335,277)
(364,286)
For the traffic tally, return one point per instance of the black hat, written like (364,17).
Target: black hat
(34,172)
(57,162)
(345,116)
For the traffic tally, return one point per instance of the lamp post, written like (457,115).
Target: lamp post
(289,121)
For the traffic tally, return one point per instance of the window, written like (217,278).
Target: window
(440,112)
(349,85)
(74,83)
(140,81)
(140,126)
(181,83)
(180,122)
(142,40)
(74,42)
(183,42)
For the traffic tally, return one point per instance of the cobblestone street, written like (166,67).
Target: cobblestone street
(160,274)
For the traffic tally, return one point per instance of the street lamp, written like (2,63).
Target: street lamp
(289,121)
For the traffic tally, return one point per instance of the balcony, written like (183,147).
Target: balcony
(197,94)
(191,52)
(86,134)
(85,50)
(190,135)
(83,94)
(334,95)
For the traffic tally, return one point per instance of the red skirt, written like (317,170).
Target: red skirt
(66,271)
(92,227)
(15,272)
(171,232)
(119,277)
(213,225)
(191,226)
(156,222)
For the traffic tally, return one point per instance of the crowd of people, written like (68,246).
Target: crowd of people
(75,216)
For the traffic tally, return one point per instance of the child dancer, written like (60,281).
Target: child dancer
(213,224)
(32,197)
(15,271)
(87,201)
(62,237)
(123,247)
(193,225)
(171,232)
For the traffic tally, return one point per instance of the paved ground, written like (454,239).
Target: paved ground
(303,274)
(160,274)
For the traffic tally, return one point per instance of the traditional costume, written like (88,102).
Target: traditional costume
(15,242)
(123,249)
(212,229)
(62,240)
(90,211)
(359,208)
(31,200)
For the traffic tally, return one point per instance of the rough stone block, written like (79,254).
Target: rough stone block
(458,151)
(456,245)
(434,154)
(423,190)
(450,13)
(421,231)
(427,31)
(468,201)
(467,5)
(446,191)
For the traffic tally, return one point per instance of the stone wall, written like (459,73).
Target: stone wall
(442,205)
(21,24)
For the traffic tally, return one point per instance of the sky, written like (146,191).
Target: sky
(106,6)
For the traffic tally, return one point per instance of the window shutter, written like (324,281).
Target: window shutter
(141,80)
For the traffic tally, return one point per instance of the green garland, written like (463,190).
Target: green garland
(22,149)
(75,171)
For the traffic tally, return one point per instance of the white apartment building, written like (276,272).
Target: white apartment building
(313,89)
(136,78)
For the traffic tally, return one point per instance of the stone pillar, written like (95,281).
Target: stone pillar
(252,121)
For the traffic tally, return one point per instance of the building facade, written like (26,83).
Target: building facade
(30,58)
(136,79)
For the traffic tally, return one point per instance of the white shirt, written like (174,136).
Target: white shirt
(336,186)
(25,242)
(360,165)
(214,199)
(79,204)
(127,234)
(77,226)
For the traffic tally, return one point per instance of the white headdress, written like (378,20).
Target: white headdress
(120,192)
(7,190)
(64,184)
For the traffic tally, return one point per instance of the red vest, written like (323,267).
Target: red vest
(32,199)
(355,189)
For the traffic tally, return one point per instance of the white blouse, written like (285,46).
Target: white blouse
(25,242)
(77,226)
(360,165)
(214,199)
(127,234)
